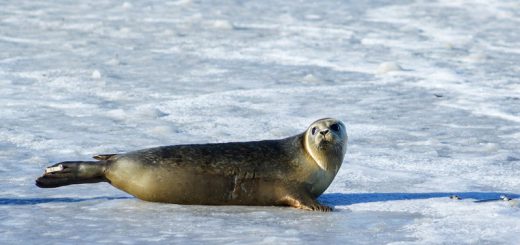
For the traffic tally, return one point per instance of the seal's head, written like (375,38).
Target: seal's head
(326,142)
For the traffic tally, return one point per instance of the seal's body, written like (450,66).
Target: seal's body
(291,171)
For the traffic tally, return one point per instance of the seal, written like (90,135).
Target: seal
(292,171)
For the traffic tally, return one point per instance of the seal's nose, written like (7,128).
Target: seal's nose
(324,132)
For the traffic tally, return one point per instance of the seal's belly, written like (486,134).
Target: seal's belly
(186,186)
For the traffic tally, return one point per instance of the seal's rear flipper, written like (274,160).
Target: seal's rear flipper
(68,173)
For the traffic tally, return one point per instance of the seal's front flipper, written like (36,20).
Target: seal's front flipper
(68,173)
(305,203)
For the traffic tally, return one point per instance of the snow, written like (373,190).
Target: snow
(429,91)
(386,67)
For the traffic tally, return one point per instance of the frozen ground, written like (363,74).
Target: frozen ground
(430,92)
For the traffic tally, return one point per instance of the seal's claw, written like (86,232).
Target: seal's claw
(325,208)
(305,203)
(322,208)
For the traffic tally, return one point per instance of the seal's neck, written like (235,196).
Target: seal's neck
(331,159)
(328,159)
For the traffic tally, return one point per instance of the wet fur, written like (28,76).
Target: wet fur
(268,172)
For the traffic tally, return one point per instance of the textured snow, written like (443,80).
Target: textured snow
(429,90)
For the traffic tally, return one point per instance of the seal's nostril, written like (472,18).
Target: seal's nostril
(324,132)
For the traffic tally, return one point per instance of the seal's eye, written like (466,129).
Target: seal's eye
(313,130)
(335,127)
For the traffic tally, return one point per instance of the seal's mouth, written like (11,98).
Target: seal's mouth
(324,144)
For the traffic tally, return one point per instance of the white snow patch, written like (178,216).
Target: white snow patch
(127,5)
(222,24)
(96,74)
(387,67)
(310,78)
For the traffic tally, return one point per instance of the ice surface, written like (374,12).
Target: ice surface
(78,78)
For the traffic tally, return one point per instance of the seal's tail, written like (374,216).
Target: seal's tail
(75,172)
